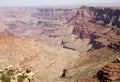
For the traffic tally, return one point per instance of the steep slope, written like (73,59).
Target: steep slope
(88,67)
(110,72)
(16,50)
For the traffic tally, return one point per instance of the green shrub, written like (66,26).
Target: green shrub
(5,78)
(28,71)
(21,77)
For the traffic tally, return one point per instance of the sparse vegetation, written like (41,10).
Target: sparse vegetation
(22,77)
(28,70)
(11,74)
(5,77)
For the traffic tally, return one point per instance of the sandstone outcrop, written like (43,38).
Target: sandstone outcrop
(110,73)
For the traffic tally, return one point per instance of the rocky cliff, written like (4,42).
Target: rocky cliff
(90,23)
(106,16)
(110,72)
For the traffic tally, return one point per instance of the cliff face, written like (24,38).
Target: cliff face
(81,24)
(84,34)
(110,72)
(106,16)
(99,25)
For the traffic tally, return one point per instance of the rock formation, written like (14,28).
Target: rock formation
(95,25)
(110,72)
(106,16)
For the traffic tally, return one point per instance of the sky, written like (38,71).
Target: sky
(12,3)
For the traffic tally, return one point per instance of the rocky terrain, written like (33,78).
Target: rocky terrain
(84,41)
(98,66)
(14,74)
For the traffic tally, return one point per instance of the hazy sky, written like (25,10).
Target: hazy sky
(4,3)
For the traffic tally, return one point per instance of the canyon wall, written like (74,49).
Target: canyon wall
(99,25)
(105,16)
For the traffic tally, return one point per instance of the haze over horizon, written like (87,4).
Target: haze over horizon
(53,3)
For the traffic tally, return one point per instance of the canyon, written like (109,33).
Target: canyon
(48,40)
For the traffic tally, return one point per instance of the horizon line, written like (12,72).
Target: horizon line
(66,6)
